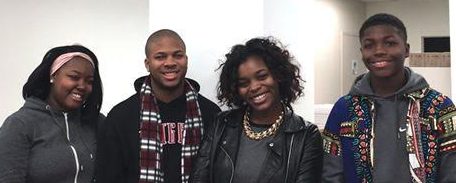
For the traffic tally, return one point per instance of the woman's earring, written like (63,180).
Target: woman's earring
(51,81)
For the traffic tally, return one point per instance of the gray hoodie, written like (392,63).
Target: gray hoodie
(39,144)
(390,157)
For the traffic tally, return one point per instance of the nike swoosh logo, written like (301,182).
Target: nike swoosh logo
(402,129)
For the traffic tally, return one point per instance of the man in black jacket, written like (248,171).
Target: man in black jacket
(153,135)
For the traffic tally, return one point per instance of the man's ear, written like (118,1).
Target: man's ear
(407,50)
(146,64)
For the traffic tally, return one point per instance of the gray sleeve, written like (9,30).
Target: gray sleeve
(447,167)
(333,171)
(14,151)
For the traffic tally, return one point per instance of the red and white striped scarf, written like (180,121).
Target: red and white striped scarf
(151,149)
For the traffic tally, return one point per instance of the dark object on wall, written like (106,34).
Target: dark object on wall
(436,44)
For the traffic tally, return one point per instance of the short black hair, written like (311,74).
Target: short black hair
(276,58)
(162,33)
(38,84)
(384,19)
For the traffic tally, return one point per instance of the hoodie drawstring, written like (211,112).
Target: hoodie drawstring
(398,118)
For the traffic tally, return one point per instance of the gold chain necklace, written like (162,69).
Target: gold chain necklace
(261,135)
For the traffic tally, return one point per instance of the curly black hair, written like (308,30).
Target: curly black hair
(384,19)
(38,84)
(276,58)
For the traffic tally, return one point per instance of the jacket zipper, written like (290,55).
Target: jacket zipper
(289,156)
(232,164)
(72,148)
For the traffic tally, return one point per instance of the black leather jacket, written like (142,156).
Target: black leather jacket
(295,152)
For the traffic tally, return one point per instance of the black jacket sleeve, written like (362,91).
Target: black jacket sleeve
(109,159)
(310,166)
(201,166)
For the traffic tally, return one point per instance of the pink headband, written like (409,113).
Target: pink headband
(64,58)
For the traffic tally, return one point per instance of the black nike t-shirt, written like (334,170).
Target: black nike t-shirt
(172,116)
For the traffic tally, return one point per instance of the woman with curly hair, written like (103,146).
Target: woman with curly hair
(260,139)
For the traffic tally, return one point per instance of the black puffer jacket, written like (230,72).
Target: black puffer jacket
(295,156)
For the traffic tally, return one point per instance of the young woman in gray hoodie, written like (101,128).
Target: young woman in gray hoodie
(52,137)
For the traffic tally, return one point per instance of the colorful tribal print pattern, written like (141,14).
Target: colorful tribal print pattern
(350,125)
(429,105)
(438,130)
(331,143)
(438,125)
(448,127)
(361,120)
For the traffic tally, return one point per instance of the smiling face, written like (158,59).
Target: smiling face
(166,63)
(257,86)
(71,85)
(384,51)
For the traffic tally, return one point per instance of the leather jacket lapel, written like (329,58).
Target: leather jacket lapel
(226,144)
(228,139)
(230,143)
(277,157)
(274,159)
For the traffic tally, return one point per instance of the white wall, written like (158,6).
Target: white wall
(426,17)
(453,46)
(332,18)
(421,18)
(115,30)
(337,16)
(291,22)
(209,29)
